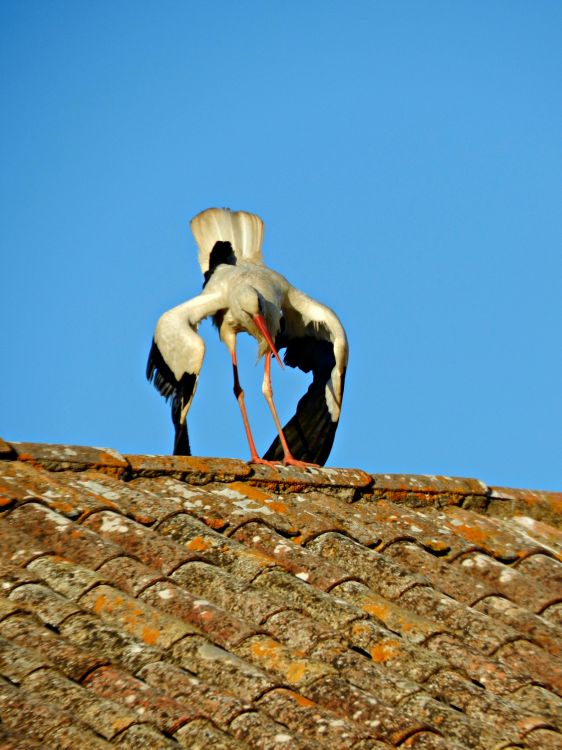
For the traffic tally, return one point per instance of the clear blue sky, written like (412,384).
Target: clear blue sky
(406,158)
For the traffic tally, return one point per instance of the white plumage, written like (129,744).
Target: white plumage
(243,295)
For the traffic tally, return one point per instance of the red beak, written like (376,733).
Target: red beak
(260,322)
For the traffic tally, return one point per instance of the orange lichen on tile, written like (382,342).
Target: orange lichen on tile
(198,544)
(385,651)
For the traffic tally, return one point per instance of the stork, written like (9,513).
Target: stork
(242,295)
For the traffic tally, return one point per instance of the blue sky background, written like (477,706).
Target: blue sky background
(406,158)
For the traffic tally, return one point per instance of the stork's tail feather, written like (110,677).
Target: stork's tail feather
(243,230)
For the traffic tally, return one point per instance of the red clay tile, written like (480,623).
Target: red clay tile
(395,653)
(541,702)
(42,601)
(103,716)
(534,628)
(553,613)
(58,534)
(413,626)
(506,580)
(259,731)
(373,677)
(274,658)
(194,469)
(9,608)
(384,576)
(16,662)
(104,492)
(291,557)
(431,741)
(543,739)
(33,717)
(481,670)
(293,479)
(297,631)
(245,601)
(219,625)
(541,505)
(72,457)
(396,522)
(379,720)
(451,722)
(148,703)
(353,519)
(110,642)
(142,736)
(55,490)
(523,656)
(137,540)
(129,575)
(305,717)
(202,543)
(222,669)
(544,569)
(491,535)
(65,577)
(205,701)
(12,576)
(549,536)
(220,506)
(75,736)
(69,658)
(201,734)
(18,547)
(474,628)
(292,592)
(500,714)
(6,450)
(140,620)
(317,580)
(443,575)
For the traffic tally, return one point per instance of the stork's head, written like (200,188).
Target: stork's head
(248,307)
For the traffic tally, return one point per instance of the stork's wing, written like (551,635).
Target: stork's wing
(176,356)
(315,341)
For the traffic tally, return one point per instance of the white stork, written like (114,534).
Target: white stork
(242,294)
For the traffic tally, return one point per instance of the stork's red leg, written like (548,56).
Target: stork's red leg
(239,393)
(267,390)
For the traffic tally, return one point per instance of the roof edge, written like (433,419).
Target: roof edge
(348,484)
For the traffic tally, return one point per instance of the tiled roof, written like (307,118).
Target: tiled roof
(165,602)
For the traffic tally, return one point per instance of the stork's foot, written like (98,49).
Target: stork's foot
(263,462)
(291,461)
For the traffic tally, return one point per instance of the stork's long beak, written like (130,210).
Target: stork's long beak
(261,324)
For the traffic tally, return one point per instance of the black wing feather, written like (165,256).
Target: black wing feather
(310,433)
(158,372)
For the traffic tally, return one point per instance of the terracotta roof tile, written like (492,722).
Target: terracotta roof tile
(72,660)
(201,734)
(509,581)
(164,602)
(295,559)
(553,613)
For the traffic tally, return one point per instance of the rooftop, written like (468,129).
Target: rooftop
(167,602)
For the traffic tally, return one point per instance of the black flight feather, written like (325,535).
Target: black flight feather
(158,372)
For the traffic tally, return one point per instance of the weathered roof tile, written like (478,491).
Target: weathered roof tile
(74,661)
(71,457)
(106,717)
(155,601)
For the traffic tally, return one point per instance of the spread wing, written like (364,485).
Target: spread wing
(176,356)
(315,341)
